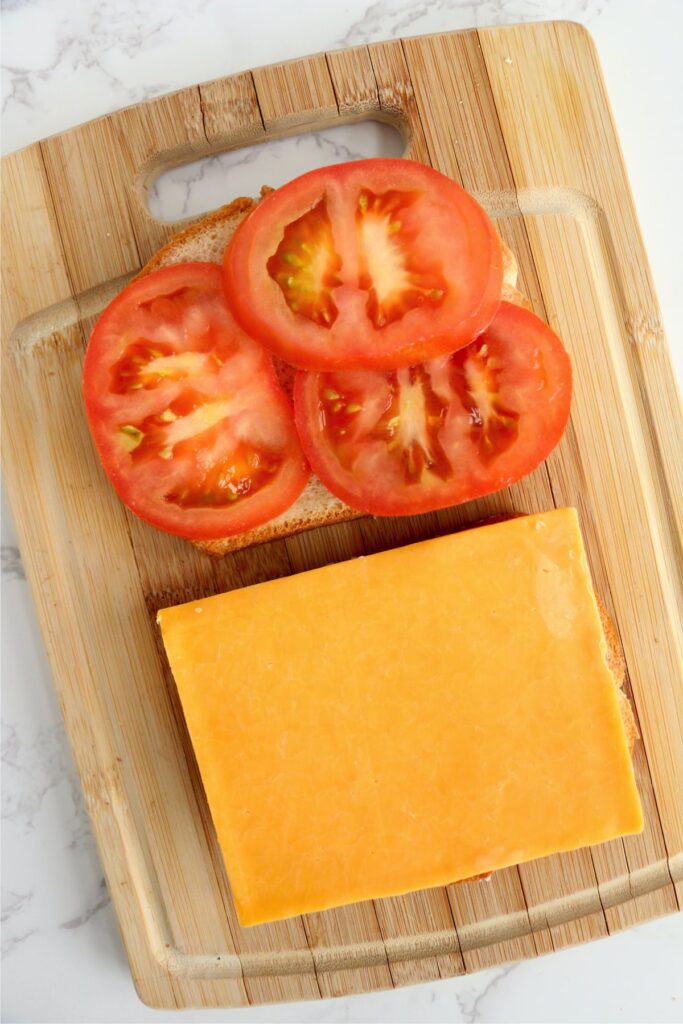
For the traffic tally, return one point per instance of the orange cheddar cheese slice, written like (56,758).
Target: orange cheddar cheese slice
(405,720)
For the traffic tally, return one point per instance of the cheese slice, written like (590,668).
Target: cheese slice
(405,720)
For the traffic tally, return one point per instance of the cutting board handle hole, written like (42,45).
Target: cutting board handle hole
(190,189)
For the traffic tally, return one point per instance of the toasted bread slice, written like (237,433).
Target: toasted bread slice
(316,506)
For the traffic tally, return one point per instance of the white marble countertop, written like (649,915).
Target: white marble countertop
(68,61)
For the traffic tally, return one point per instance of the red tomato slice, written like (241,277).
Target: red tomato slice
(189,421)
(442,432)
(374,263)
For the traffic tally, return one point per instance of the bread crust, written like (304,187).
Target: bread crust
(225,217)
(616,663)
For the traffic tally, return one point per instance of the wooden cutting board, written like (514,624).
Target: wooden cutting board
(519,116)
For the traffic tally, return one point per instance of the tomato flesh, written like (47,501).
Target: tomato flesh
(395,280)
(374,263)
(185,410)
(442,432)
(305,266)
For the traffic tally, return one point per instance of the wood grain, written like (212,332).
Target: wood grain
(296,93)
(520,117)
(231,112)
(397,96)
(353,80)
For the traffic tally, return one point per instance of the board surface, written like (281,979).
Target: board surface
(519,116)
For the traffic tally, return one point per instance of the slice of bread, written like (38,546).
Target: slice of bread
(316,506)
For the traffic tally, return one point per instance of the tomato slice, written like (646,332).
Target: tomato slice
(190,423)
(373,263)
(445,431)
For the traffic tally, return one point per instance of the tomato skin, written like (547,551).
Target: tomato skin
(188,418)
(376,292)
(483,421)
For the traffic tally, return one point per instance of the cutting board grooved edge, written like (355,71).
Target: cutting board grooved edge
(608,248)
(325,959)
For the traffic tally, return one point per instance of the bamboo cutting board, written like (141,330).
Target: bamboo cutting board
(519,116)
